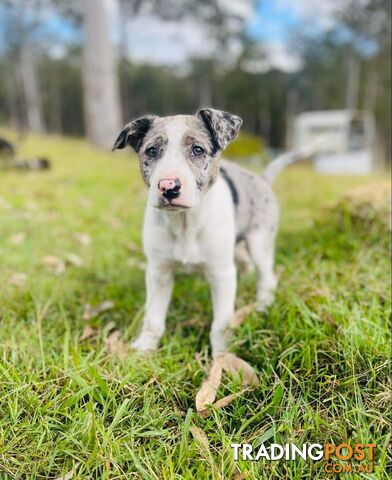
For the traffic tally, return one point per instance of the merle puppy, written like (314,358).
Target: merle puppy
(199,207)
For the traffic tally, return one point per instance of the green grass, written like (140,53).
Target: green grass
(322,352)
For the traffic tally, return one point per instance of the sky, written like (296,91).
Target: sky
(155,41)
(269,21)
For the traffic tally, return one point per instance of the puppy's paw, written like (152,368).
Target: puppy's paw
(265,300)
(145,342)
(218,346)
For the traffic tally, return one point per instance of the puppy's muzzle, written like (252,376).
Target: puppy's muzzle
(170,188)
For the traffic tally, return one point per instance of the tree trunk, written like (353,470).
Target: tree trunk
(12,91)
(204,92)
(101,96)
(32,91)
(352,86)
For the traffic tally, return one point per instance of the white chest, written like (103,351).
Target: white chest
(187,250)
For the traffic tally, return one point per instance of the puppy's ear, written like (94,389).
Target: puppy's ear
(134,133)
(222,126)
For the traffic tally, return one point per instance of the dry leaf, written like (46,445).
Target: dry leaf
(240,476)
(109,327)
(223,402)
(18,279)
(194,321)
(69,474)
(49,216)
(90,312)
(115,223)
(114,344)
(54,263)
(31,205)
(152,380)
(208,390)
(87,332)
(132,246)
(235,365)
(17,238)
(83,238)
(199,435)
(241,314)
(74,259)
(4,205)
(85,202)
(134,262)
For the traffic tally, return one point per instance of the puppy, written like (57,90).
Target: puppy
(199,207)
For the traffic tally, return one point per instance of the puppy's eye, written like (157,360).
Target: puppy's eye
(196,150)
(152,152)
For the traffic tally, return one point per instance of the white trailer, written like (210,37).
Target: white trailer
(344,139)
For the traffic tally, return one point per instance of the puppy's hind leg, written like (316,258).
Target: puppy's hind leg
(262,250)
(243,258)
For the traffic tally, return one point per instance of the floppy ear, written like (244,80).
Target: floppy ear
(222,126)
(134,133)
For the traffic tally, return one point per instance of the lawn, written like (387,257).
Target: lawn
(322,352)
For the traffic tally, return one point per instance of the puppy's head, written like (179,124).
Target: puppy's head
(179,155)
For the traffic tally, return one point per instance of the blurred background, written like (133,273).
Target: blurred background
(84,68)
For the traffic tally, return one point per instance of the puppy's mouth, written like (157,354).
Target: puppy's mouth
(172,206)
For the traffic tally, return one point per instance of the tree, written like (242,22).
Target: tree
(101,96)
(21,33)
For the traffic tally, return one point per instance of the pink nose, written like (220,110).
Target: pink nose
(170,188)
(169,184)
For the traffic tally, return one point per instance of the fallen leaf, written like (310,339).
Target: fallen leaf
(152,380)
(17,238)
(223,402)
(114,344)
(83,238)
(132,246)
(18,279)
(31,205)
(69,474)
(209,388)
(236,365)
(134,262)
(194,321)
(227,362)
(74,259)
(54,263)
(240,476)
(85,202)
(4,205)
(115,223)
(87,332)
(50,216)
(90,312)
(240,315)
(200,436)
(109,327)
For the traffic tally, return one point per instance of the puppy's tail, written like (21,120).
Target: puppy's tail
(276,166)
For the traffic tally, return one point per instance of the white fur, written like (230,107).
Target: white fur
(189,237)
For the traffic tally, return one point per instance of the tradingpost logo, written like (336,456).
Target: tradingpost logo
(343,458)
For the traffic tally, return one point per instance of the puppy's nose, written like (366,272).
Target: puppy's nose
(170,187)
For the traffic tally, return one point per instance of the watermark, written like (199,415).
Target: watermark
(343,458)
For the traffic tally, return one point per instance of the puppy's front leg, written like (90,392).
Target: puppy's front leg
(223,283)
(159,283)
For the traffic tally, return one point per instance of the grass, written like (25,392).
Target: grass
(322,352)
